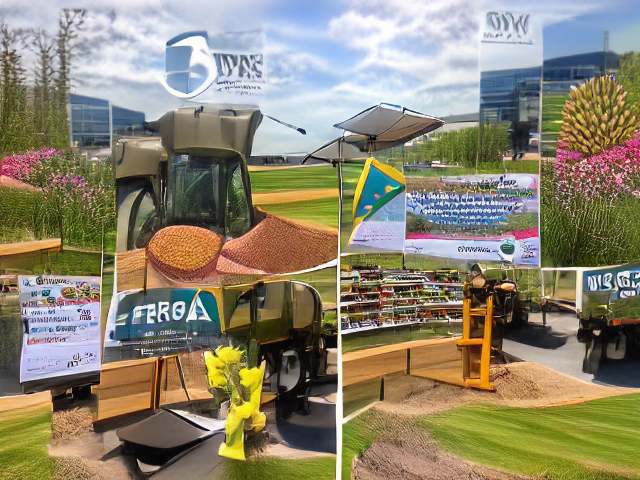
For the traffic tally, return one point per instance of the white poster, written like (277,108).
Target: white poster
(61,320)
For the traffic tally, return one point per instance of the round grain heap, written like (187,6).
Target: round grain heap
(184,252)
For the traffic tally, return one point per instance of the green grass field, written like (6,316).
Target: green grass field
(278,469)
(24,435)
(596,440)
(321,176)
(323,211)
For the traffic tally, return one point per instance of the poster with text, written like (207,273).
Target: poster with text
(484,218)
(61,318)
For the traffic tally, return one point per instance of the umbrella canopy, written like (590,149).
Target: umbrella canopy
(377,128)
(384,126)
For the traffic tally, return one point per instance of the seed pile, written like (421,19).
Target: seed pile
(73,467)
(68,424)
(276,245)
(131,269)
(184,252)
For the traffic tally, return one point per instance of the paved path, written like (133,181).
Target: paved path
(556,345)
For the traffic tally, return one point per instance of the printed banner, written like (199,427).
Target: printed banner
(612,292)
(476,217)
(161,321)
(507,27)
(379,208)
(228,65)
(61,318)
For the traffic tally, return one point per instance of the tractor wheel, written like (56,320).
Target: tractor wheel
(593,356)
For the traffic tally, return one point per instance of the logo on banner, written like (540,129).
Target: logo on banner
(191,68)
(507,27)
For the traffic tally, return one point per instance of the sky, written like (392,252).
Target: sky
(325,60)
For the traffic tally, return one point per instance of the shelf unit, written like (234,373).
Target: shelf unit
(376,299)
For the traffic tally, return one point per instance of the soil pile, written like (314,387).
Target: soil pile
(408,452)
(522,384)
(69,424)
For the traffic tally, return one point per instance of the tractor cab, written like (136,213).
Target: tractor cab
(194,174)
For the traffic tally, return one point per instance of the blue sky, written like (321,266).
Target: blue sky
(325,60)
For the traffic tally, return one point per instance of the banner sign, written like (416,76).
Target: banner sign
(379,209)
(61,318)
(162,321)
(476,217)
(507,27)
(616,289)
(225,65)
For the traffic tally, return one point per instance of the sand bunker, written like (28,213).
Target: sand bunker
(288,196)
(408,452)
(522,384)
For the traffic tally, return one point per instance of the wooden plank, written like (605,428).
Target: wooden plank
(30,247)
(126,387)
(441,362)
(371,352)
(374,366)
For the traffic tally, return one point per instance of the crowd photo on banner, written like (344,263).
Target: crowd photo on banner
(248,240)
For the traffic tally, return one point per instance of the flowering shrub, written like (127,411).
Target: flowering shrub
(606,175)
(78,197)
(24,166)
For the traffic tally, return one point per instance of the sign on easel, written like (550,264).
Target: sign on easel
(61,331)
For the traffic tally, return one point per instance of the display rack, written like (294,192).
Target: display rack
(377,299)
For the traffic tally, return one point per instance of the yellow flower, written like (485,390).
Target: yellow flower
(228,355)
(246,410)
(216,378)
(255,398)
(251,378)
(212,361)
(233,447)
(258,421)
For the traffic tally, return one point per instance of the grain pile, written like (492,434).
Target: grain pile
(131,269)
(185,252)
(69,424)
(277,245)
(75,468)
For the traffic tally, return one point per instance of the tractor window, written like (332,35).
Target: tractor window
(193,191)
(274,302)
(143,221)
(241,316)
(304,306)
(238,220)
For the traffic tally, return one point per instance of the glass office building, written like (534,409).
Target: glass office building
(513,96)
(93,121)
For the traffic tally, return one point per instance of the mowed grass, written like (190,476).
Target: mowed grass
(302,178)
(24,435)
(323,211)
(595,440)
(277,469)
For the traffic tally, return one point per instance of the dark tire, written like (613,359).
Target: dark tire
(593,357)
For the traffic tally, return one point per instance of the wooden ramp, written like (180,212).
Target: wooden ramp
(437,359)
(30,247)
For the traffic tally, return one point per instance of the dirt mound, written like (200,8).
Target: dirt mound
(522,384)
(277,245)
(408,452)
(68,424)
